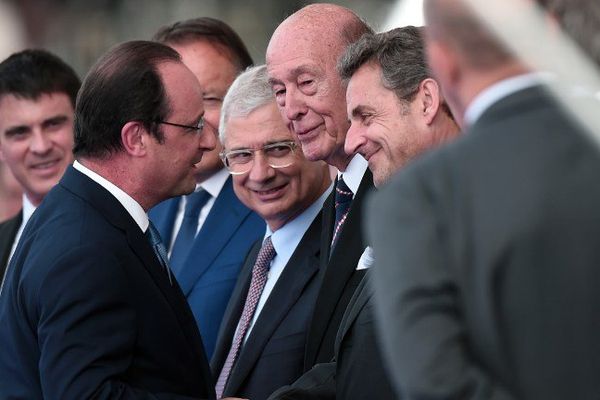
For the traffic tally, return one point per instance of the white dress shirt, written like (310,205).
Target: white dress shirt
(285,240)
(133,207)
(213,186)
(354,172)
(28,209)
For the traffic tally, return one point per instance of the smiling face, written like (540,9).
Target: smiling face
(36,140)
(383,130)
(308,90)
(277,195)
(173,162)
(215,71)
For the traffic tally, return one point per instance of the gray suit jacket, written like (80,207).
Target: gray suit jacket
(487,260)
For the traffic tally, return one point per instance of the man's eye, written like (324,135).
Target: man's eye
(239,158)
(278,150)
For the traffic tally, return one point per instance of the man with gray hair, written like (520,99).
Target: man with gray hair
(486,249)
(396,112)
(261,342)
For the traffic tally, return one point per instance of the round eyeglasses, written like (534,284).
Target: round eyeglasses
(277,155)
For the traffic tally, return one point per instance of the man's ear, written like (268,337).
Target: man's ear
(429,93)
(134,138)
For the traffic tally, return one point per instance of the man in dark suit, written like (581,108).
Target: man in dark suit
(311,97)
(263,336)
(207,265)
(396,112)
(486,249)
(37,102)
(90,308)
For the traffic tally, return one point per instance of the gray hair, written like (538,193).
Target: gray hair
(399,52)
(250,91)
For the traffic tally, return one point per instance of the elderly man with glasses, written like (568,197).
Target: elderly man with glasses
(261,342)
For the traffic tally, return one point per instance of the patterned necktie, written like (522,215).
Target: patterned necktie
(343,199)
(187,230)
(159,248)
(257,284)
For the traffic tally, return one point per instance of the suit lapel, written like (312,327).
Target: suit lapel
(338,270)
(114,212)
(8,232)
(357,303)
(234,310)
(299,271)
(224,219)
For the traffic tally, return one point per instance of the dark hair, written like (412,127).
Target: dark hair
(399,52)
(210,29)
(31,73)
(124,85)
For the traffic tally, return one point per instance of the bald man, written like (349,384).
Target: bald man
(312,99)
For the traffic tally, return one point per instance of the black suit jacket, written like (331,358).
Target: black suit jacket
(357,372)
(340,275)
(488,260)
(87,311)
(274,351)
(8,232)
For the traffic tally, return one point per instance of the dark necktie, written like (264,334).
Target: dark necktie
(257,284)
(343,200)
(187,230)
(159,248)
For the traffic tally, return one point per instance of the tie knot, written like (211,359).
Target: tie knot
(343,194)
(153,234)
(194,203)
(266,253)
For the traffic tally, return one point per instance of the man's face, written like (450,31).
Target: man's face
(309,92)
(277,195)
(215,72)
(36,140)
(383,130)
(173,161)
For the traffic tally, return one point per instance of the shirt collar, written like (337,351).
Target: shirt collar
(354,172)
(28,209)
(286,239)
(499,90)
(215,183)
(133,207)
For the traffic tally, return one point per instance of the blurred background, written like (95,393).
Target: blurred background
(80,31)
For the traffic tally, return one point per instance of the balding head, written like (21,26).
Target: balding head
(309,92)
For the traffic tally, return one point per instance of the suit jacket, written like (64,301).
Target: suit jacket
(340,277)
(216,257)
(87,310)
(357,371)
(487,260)
(8,232)
(274,351)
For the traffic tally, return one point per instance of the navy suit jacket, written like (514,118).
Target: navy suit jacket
(87,310)
(8,232)
(213,265)
(340,278)
(274,351)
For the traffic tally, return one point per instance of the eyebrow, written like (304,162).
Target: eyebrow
(56,119)
(295,72)
(356,111)
(269,142)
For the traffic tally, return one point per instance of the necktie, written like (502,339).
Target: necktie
(257,284)
(187,230)
(159,248)
(343,199)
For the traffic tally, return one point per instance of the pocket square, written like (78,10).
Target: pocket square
(366,259)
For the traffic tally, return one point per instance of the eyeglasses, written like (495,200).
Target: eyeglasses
(277,155)
(197,128)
